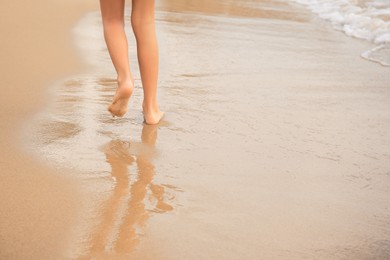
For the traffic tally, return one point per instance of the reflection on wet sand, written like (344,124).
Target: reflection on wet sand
(134,193)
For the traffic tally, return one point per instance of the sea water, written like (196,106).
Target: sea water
(363,19)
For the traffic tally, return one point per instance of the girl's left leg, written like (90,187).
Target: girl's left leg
(115,37)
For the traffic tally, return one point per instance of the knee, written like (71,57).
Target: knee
(110,24)
(141,22)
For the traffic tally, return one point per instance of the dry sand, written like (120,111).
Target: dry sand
(275,144)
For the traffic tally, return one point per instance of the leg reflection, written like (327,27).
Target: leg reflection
(137,215)
(119,159)
(135,193)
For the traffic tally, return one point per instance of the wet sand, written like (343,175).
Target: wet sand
(275,143)
(39,204)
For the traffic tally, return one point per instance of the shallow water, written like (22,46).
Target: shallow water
(275,142)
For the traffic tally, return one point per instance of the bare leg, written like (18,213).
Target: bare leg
(142,21)
(114,34)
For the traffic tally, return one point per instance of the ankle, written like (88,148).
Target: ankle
(125,80)
(150,107)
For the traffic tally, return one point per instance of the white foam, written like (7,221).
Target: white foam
(368,20)
(380,54)
(383,38)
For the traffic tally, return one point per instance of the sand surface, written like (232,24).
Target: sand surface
(275,144)
(38,205)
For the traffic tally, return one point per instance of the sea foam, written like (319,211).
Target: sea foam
(368,20)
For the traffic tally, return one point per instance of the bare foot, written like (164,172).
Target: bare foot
(120,101)
(152,116)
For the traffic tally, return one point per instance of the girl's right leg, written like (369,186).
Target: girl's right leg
(115,37)
(142,21)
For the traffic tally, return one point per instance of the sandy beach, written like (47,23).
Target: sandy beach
(275,144)
(38,203)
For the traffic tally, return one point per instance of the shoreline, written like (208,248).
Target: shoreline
(39,205)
